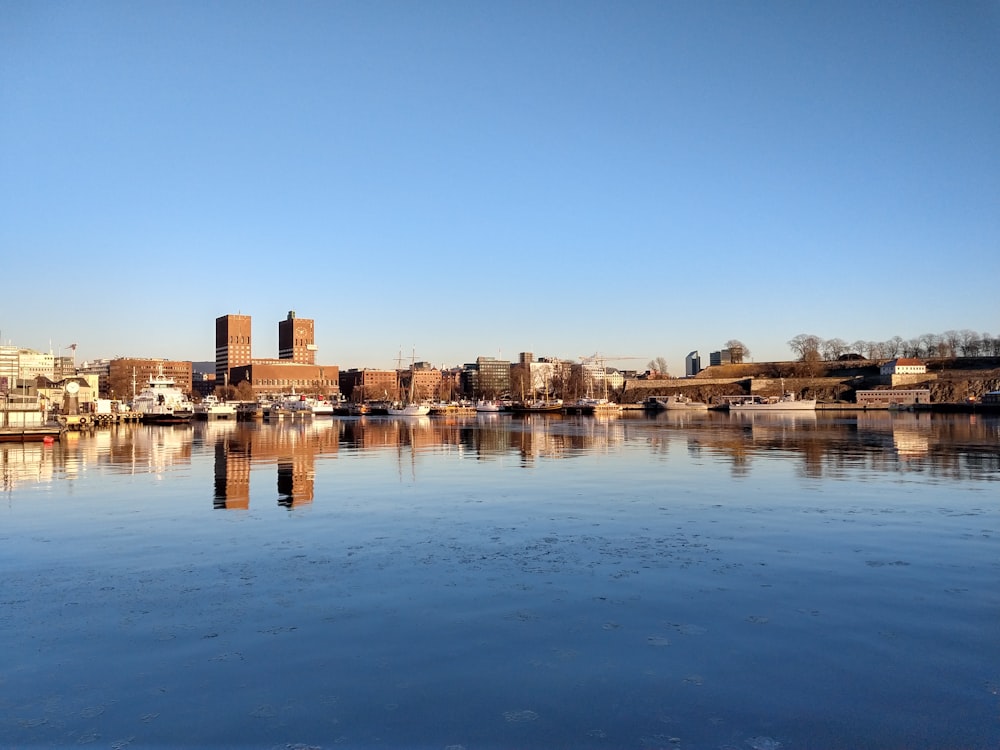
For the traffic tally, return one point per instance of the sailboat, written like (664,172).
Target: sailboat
(409,408)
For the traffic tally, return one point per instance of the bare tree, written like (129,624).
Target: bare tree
(859,347)
(659,366)
(806,346)
(833,348)
(971,343)
(737,351)
(991,344)
(893,346)
(950,342)
(929,344)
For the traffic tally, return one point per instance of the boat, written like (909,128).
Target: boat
(162,402)
(352,409)
(275,410)
(539,407)
(787,402)
(250,410)
(409,408)
(211,407)
(675,402)
(44,433)
(487,406)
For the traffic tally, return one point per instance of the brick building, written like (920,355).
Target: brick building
(278,376)
(297,339)
(374,385)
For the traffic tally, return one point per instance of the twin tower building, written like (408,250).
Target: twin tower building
(295,366)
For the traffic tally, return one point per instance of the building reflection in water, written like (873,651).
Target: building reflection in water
(828,445)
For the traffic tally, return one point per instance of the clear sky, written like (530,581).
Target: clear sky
(458,178)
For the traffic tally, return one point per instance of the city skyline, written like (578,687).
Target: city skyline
(473,180)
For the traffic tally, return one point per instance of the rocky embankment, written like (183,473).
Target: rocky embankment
(949,381)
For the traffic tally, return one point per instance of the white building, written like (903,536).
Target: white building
(903,366)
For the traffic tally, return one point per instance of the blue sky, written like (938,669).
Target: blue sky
(459,179)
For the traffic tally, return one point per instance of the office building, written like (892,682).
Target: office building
(232,345)
(692,364)
(297,339)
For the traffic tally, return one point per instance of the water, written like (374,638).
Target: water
(702,581)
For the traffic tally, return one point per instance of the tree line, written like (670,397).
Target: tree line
(965,343)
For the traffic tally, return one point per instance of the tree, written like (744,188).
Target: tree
(833,348)
(244,391)
(520,381)
(659,366)
(806,346)
(971,343)
(929,344)
(737,351)
(950,342)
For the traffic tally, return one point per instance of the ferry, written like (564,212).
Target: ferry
(162,402)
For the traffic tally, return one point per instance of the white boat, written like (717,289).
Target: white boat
(676,402)
(211,407)
(487,406)
(787,402)
(409,408)
(162,402)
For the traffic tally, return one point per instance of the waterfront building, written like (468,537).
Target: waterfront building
(297,339)
(884,396)
(281,376)
(360,385)
(426,381)
(232,345)
(615,379)
(692,364)
(494,376)
(32,364)
(100,368)
(8,368)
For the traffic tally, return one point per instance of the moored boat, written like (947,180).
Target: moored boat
(675,402)
(408,410)
(162,402)
(787,402)
(211,407)
(539,407)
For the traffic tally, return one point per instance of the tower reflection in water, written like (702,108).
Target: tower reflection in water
(291,448)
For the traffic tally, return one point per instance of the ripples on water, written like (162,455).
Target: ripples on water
(691,582)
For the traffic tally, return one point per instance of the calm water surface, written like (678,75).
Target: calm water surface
(693,582)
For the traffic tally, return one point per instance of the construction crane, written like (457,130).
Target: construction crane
(597,358)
